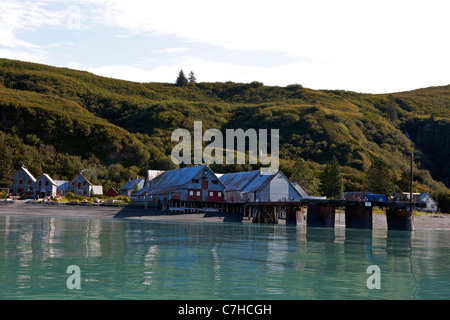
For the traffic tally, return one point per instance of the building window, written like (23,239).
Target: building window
(191,193)
(20,182)
(40,183)
(46,183)
(219,194)
(198,193)
(211,193)
(195,180)
(215,181)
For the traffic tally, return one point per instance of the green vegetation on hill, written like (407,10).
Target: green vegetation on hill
(58,121)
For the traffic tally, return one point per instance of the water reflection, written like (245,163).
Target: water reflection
(163,260)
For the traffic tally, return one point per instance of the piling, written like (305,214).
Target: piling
(294,215)
(399,219)
(320,215)
(358,217)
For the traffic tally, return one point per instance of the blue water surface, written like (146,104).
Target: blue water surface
(138,259)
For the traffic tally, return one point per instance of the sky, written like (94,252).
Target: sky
(372,46)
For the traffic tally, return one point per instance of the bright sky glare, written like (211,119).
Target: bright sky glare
(374,46)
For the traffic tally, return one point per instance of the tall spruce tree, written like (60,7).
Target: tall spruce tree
(181,80)
(332,179)
(192,78)
(379,178)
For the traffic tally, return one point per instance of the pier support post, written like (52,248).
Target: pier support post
(399,219)
(266,214)
(291,218)
(294,216)
(320,215)
(358,217)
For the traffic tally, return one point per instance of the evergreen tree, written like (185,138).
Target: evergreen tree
(181,80)
(332,179)
(379,179)
(304,176)
(404,182)
(6,166)
(192,78)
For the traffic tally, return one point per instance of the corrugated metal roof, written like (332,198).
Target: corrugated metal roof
(259,182)
(171,180)
(62,185)
(130,184)
(238,180)
(300,190)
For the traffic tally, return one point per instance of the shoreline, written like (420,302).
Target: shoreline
(17,208)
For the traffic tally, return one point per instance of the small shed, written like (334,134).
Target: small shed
(63,187)
(112,193)
(131,186)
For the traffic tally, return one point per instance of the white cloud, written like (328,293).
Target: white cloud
(372,46)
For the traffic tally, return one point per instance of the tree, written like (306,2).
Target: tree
(181,80)
(304,176)
(6,166)
(332,184)
(404,182)
(192,78)
(379,179)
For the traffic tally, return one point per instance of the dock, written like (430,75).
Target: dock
(317,212)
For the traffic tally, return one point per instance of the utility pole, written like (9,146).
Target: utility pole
(411,186)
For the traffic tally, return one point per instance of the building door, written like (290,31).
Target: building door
(204,184)
(194,195)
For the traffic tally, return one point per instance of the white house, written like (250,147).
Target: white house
(81,186)
(43,187)
(22,181)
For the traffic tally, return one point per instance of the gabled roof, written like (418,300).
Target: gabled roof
(259,182)
(25,170)
(238,180)
(171,180)
(130,184)
(83,178)
(252,181)
(49,179)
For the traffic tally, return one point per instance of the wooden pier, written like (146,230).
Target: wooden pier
(319,212)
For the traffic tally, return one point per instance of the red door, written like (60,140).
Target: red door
(194,195)
(215,196)
(204,184)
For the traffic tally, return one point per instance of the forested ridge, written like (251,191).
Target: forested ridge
(59,121)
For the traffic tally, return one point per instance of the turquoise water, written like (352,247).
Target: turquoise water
(131,259)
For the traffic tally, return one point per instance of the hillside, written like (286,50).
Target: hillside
(59,121)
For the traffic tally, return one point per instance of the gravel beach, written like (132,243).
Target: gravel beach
(421,221)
